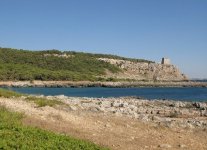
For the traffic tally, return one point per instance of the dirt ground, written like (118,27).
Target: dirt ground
(117,133)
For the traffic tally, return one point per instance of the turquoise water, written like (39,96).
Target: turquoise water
(189,94)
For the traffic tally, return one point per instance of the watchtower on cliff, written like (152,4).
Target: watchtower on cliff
(165,61)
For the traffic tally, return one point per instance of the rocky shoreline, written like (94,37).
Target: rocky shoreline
(126,122)
(168,113)
(123,84)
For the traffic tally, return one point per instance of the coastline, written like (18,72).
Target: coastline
(178,113)
(169,113)
(121,84)
(126,122)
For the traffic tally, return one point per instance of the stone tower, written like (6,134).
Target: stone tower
(165,61)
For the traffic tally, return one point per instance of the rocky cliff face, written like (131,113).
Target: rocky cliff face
(145,71)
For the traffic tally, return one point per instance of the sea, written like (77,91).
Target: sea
(170,93)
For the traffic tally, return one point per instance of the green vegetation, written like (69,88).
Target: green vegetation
(42,102)
(7,93)
(36,65)
(15,135)
(27,72)
(45,65)
(108,56)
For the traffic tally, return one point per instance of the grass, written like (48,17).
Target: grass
(8,94)
(42,102)
(15,135)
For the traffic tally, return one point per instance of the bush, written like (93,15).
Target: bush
(35,65)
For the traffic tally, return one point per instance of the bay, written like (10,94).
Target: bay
(187,94)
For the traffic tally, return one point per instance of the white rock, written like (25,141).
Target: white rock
(165,146)
(182,146)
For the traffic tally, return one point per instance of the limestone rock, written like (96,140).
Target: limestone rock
(145,71)
(165,146)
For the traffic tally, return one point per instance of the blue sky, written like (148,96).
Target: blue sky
(147,29)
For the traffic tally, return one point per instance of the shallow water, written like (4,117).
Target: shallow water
(189,94)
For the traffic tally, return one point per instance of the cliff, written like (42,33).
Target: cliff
(145,71)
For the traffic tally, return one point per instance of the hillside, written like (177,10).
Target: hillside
(54,65)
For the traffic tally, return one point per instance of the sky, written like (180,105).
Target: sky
(148,29)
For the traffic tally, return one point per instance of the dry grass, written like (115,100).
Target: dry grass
(42,102)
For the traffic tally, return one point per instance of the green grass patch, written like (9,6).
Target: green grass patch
(42,102)
(7,93)
(15,135)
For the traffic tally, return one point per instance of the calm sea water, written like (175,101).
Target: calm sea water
(189,94)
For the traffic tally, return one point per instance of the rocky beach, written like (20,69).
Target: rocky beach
(120,84)
(167,112)
(126,122)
